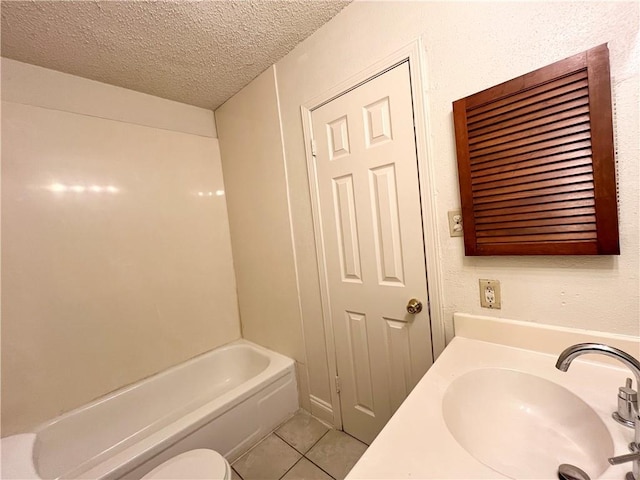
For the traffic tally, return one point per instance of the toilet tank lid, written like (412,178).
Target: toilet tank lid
(194,464)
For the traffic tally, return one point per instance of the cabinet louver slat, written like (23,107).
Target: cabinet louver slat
(535,161)
(540,157)
(523,174)
(569,119)
(494,208)
(533,100)
(553,218)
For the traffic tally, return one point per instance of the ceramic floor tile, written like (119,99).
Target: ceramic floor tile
(301,431)
(336,453)
(268,460)
(305,470)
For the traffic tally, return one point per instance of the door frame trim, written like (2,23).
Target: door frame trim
(414,55)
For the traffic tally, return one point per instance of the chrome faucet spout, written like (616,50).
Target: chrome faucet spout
(574,351)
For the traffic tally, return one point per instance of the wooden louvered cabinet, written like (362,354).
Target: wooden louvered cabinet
(536,162)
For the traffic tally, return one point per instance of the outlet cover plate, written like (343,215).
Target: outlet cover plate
(490,296)
(455,223)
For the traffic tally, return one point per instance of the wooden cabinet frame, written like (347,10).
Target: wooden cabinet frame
(536,162)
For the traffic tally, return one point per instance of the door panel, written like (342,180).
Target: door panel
(359,357)
(347,228)
(386,225)
(367,178)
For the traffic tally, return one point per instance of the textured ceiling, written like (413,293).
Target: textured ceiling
(199,53)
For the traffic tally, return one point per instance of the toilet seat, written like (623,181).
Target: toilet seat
(194,464)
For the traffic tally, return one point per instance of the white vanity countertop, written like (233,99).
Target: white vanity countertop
(416,443)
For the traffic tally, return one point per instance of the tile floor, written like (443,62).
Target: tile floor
(302,448)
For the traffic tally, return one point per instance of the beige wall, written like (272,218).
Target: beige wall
(102,288)
(255,182)
(469,47)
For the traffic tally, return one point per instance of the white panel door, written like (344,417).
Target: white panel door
(367,179)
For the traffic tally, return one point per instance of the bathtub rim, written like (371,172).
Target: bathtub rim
(155,376)
(123,457)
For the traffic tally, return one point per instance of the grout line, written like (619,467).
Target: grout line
(304,455)
(264,438)
(237,474)
(308,449)
(341,431)
(311,447)
(346,433)
(316,442)
(297,461)
(320,467)
(285,441)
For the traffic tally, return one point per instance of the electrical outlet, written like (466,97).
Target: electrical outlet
(455,223)
(490,294)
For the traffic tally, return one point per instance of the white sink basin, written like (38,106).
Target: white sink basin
(524,426)
(493,406)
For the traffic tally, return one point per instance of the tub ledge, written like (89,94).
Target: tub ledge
(17,456)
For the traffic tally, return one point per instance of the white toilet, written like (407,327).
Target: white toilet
(194,464)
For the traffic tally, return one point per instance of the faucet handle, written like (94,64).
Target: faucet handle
(629,457)
(627,399)
(627,386)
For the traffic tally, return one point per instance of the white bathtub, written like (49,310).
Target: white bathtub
(226,400)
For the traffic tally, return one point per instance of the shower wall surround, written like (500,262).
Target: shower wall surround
(116,255)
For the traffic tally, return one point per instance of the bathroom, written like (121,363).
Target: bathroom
(183,235)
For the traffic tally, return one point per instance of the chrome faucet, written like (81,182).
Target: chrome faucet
(574,351)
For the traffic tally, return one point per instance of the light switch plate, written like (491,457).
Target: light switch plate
(490,296)
(455,223)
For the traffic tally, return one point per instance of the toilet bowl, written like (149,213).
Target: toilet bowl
(194,464)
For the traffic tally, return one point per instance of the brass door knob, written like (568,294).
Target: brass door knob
(414,306)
